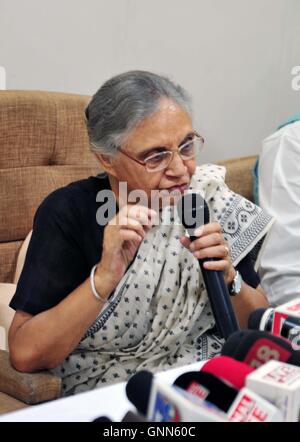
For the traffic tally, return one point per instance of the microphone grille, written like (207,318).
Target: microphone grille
(193,211)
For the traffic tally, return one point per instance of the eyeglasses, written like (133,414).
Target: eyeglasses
(161,160)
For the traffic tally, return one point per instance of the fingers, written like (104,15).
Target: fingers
(222,265)
(129,225)
(209,235)
(209,244)
(141,213)
(134,225)
(212,239)
(219,251)
(137,218)
(217,265)
(185,241)
(138,215)
(130,235)
(209,228)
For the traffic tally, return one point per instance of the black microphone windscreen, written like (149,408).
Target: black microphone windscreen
(255,319)
(138,390)
(133,417)
(238,343)
(208,387)
(257,347)
(102,419)
(231,345)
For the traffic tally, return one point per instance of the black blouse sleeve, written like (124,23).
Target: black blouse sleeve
(54,264)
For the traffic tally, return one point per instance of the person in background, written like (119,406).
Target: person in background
(279,195)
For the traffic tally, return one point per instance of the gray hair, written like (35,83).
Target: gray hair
(123,102)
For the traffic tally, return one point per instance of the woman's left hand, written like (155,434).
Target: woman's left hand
(210,243)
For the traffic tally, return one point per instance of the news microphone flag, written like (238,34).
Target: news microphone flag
(278,383)
(256,348)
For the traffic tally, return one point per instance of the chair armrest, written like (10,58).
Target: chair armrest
(6,313)
(31,388)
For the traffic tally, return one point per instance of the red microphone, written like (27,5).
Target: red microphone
(229,370)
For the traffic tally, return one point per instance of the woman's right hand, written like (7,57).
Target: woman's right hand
(122,237)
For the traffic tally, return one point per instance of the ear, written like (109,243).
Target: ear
(107,163)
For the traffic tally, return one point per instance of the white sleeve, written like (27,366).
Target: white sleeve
(279,194)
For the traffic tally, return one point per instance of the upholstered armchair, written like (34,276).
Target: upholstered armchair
(44,145)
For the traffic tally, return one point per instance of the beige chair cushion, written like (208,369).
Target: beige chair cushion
(6,313)
(29,388)
(6,293)
(9,404)
(18,389)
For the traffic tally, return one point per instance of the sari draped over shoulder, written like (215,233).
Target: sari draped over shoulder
(161,316)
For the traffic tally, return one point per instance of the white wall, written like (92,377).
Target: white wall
(234,56)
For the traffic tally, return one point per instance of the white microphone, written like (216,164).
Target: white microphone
(250,407)
(279,383)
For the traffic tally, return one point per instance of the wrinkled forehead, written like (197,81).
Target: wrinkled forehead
(166,127)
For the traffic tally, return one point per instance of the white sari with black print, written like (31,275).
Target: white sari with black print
(161,316)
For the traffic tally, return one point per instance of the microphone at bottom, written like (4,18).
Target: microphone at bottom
(241,405)
(163,403)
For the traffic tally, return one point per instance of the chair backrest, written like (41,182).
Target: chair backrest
(239,176)
(44,145)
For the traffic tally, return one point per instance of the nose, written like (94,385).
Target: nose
(176,166)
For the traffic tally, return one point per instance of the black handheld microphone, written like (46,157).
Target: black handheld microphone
(193,213)
(256,348)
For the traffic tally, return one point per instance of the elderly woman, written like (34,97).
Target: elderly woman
(95,303)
